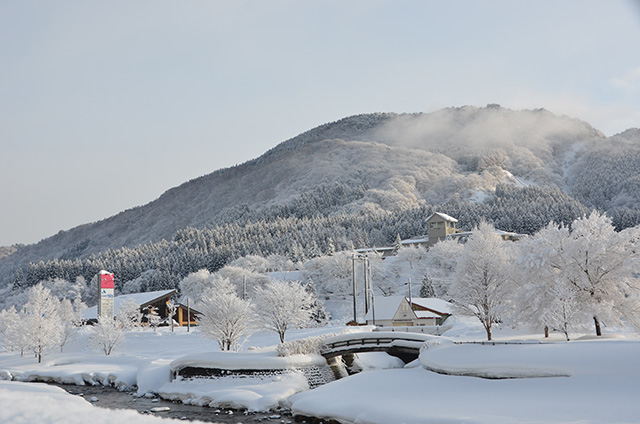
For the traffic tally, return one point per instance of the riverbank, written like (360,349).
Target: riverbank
(109,397)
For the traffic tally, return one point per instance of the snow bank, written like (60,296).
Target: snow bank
(253,393)
(28,403)
(145,358)
(602,387)
(261,360)
(501,360)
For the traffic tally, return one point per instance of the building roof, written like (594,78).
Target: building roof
(439,306)
(142,299)
(426,314)
(386,307)
(443,216)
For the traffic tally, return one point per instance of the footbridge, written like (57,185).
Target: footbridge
(405,346)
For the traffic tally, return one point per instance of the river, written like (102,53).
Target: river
(109,397)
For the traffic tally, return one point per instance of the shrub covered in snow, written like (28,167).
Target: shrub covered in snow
(310,345)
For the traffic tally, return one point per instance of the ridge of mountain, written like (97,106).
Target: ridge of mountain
(404,160)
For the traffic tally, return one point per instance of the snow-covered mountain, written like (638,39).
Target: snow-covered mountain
(379,162)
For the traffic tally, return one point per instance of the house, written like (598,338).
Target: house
(157,300)
(185,315)
(398,311)
(440,226)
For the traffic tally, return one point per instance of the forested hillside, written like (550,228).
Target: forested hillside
(357,182)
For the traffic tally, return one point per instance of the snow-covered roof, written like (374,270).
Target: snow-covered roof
(443,216)
(508,233)
(140,299)
(385,307)
(433,304)
(426,314)
(415,240)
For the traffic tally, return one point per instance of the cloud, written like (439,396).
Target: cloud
(609,116)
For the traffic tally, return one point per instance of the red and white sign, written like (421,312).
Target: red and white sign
(105,294)
(106,280)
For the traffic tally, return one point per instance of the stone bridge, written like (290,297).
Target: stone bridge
(405,346)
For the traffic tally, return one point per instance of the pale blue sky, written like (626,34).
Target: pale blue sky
(104,105)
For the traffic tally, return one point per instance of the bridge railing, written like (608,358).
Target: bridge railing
(375,340)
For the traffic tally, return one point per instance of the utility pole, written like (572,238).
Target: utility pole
(365,260)
(355,292)
(188,314)
(244,287)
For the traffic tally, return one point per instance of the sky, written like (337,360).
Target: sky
(106,105)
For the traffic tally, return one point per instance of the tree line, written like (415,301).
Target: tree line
(162,265)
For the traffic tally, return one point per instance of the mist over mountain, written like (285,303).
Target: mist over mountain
(379,164)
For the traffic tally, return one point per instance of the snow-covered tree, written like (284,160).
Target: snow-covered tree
(14,338)
(69,319)
(397,244)
(41,322)
(281,305)
(426,289)
(331,274)
(593,261)
(481,282)
(243,280)
(129,314)
(171,311)
(151,316)
(600,265)
(440,264)
(225,318)
(195,285)
(107,335)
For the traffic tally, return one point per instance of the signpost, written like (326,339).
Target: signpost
(105,294)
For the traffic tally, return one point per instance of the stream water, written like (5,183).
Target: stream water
(109,397)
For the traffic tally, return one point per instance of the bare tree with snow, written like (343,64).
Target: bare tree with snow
(41,321)
(12,335)
(129,314)
(281,305)
(107,335)
(544,298)
(596,263)
(440,264)
(68,321)
(225,318)
(481,283)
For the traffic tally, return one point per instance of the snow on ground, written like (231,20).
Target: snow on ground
(252,393)
(29,403)
(596,381)
(145,361)
(583,381)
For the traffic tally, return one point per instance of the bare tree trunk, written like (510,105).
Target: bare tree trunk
(597,323)
(546,331)
(489,332)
